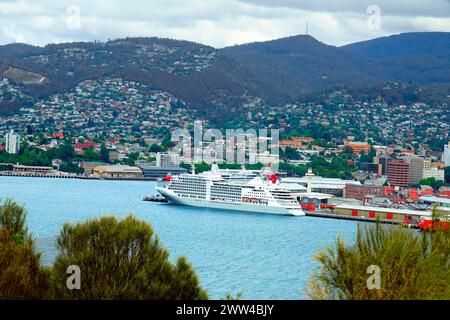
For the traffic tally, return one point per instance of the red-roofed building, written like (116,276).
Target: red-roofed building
(80,147)
(358,147)
(295,142)
(2,148)
(413,194)
(428,192)
(58,135)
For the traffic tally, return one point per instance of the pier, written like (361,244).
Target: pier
(330,215)
(70,176)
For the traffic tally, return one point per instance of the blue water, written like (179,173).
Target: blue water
(264,256)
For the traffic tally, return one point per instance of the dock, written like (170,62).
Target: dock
(330,215)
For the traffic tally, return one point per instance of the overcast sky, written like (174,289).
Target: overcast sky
(217,23)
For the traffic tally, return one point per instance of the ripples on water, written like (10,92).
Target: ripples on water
(264,256)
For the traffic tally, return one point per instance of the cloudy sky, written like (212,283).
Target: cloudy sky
(217,23)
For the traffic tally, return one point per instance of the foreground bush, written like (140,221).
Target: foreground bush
(412,266)
(121,260)
(117,259)
(21,275)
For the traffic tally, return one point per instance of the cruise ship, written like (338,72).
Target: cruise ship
(212,190)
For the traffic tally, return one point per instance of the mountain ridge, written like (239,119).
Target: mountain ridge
(219,82)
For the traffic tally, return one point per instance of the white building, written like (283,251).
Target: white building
(167,159)
(12,142)
(446,155)
(436,173)
(333,186)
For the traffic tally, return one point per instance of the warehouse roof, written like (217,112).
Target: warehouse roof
(386,210)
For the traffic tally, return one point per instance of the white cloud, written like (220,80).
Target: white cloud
(216,22)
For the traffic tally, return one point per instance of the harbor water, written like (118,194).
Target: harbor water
(263,256)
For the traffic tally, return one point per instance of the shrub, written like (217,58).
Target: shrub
(121,260)
(413,266)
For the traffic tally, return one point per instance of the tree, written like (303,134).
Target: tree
(348,150)
(12,218)
(121,259)
(104,153)
(412,266)
(21,275)
(156,148)
(447,175)
(291,154)
(432,182)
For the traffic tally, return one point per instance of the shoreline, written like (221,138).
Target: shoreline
(74,176)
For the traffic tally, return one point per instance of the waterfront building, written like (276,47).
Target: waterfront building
(89,167)
(153,172)
(393,214)
(415,170)
(383,161)
(374,168)
(118,172)
(398,172)
(17,168)
(12,142)
(361,192)
(446,155)
(332,186)
(436,173)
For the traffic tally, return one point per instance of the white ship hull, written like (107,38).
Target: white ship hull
(237,206)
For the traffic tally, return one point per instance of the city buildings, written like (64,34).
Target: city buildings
(435,173)
(167,159)
(361,192)
(398,172)
(153,172)
(446,155)
(118,172)
(332,186)
(12,142)
(415,173)
(358,147)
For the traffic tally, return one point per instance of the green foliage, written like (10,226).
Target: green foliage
(299,170)
(432,182)
(12,218)
(70,167)
(132,157)
(121,260)
(290,154)
(447,175)
(156,148)
(229,296)
(118,260)
(337,168)
(367,158)
(202,167)
(104,153)
(21,276)
(413,266)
